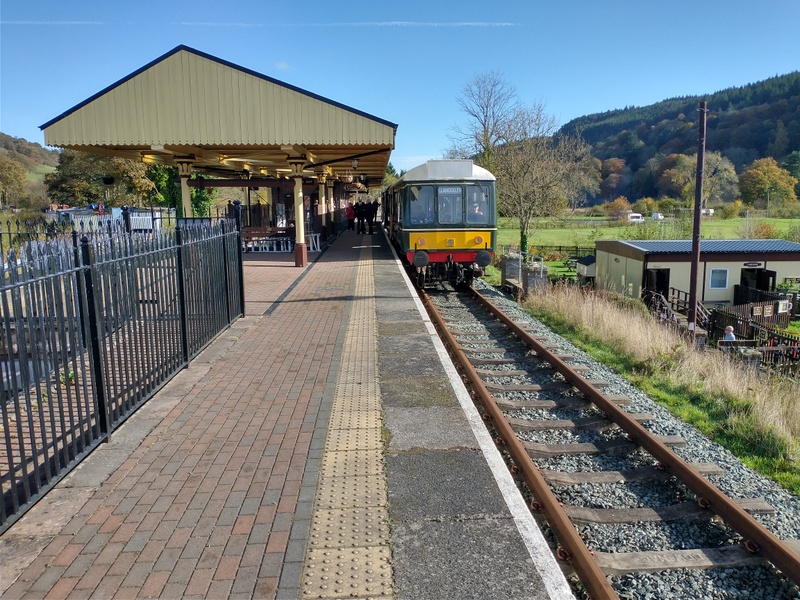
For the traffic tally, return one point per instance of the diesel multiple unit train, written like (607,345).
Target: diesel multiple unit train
(442,216)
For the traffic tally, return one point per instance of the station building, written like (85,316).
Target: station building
(635,268)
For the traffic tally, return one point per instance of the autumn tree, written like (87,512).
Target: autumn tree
(12,180)
(615,174)
(617,207)
(765,182)
(677,177)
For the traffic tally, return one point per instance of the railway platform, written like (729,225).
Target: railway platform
(322,447)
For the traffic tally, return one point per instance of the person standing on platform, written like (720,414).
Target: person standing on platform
(375,206)
(350,214)
(369,215)
(361,216)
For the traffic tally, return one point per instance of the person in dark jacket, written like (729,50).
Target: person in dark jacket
(369,215)
(361,215)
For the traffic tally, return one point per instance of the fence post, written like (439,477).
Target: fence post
(76,248)
(126,218)
(184,320)
(237,215)
(94,337)
(225,270)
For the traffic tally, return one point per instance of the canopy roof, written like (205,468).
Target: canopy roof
(225,120)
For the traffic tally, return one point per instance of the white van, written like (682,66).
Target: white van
(635,217)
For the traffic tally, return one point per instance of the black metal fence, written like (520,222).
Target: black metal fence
(93,324)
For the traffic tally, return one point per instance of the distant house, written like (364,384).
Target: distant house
(636,267)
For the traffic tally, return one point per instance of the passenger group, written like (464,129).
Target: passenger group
(363,213)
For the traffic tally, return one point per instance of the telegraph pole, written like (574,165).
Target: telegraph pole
(698,202)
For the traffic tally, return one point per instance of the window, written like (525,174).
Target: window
(718,279)
(421,200)
(450,204)
(477,205)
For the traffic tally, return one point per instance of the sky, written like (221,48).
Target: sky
(406,62)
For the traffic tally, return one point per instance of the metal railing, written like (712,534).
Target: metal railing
(93,324)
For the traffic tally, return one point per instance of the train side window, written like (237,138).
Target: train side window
(477,205)
(421,201)
(450,205)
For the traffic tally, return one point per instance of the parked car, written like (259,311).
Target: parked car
(707,212)
(657,216)
(635,218)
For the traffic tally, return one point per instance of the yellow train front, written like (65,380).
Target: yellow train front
(443,216)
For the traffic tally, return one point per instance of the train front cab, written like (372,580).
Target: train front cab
(447,229)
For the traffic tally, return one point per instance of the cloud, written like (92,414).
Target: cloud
(51,23)
(218,24)
(411,24)
(282,65)
(352,24)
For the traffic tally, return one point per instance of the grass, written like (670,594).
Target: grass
(581,231)
(756,417)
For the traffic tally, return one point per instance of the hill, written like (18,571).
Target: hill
(744,123)
(30,155)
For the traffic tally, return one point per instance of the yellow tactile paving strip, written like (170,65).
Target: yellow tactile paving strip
(348,552)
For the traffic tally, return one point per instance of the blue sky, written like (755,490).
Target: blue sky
(405,61)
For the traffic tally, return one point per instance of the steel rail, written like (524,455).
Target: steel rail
(758,539)
(578,555)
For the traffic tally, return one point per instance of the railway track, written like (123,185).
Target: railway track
(620,492)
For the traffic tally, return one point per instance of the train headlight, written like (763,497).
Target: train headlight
(479,240)
(483,258)
(421,259)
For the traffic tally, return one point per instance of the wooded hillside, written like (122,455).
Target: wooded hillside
(744,124)
(29,154)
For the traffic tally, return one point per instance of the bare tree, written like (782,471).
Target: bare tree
(539,171)
(489,103)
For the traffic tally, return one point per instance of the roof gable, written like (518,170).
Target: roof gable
(187,97)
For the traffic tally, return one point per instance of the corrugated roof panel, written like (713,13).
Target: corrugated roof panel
(714,246)
(189,99)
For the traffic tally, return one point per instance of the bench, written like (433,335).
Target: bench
(266,239)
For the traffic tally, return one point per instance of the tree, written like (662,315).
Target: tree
(538,171)
(792,164)
(391,176)
(12,181)
(82,178)
(720,182)
(677,177)
(764,182)
(489,103)
(166,185)
(616,208)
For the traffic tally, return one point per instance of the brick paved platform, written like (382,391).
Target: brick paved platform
(274,464)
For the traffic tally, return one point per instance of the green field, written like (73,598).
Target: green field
(584,231)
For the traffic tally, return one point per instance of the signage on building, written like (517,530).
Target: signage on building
(752,264)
